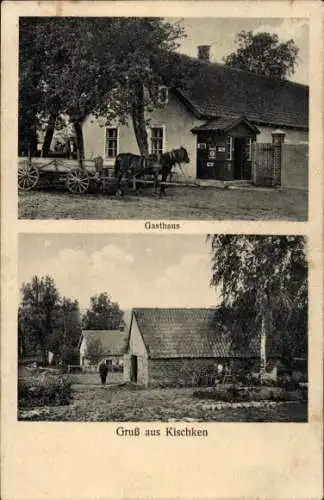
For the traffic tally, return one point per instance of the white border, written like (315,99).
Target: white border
(87,461)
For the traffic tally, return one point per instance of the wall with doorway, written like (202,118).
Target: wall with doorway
(136,348)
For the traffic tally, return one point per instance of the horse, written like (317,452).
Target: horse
(167,161)
(133,166)
(128,166)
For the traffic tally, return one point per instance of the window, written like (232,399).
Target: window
(111,142)
(163,95)
(229,147)
(157,140)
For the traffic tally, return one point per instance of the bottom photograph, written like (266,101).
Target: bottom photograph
(168,328)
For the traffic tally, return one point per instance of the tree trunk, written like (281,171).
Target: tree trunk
(79,140)
(49,135)
(138,118)
(265,324)
(263,354)
(42,345)
(32,141)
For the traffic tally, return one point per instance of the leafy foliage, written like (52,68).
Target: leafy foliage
(46,321)
(103,314)
(77,66)
(95,350)
(69,355)
(262,278)
(44,390)
(234,394)
(264,54)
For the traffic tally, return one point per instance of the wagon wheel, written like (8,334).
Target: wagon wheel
(28,176)
(77,181)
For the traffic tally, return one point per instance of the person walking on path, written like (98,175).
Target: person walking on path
(103,371)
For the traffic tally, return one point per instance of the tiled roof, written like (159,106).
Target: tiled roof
(113,341)
(225,123)
(212,90)
(182,333)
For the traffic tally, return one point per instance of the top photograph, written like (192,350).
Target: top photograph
(163,118)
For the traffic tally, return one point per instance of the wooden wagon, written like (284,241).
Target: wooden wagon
(76,176)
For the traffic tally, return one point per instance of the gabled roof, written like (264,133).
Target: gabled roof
(113,341)
(185,333)
(225,123)
(212,90)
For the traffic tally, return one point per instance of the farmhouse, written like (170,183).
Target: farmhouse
(168,346)
(220,116)
(110,345)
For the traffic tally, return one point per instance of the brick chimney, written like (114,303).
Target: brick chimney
(204,53)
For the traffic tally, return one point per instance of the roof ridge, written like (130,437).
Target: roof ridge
(229,68)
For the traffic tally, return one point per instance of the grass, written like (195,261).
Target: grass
(180,203)
(125,403)
(94,379)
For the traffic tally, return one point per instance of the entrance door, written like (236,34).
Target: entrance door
(203,171)
(239,147)
(242,163)
(207,156)
(134,368)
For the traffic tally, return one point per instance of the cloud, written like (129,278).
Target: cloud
(287,29)
(79,274)
(131,282)
(112,252)
(186,284)
(298,30)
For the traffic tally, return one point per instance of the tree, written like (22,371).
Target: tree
(103,314)
(30,102)
(40,299)
(110,67)
(66,328)
(47,321)
(263,284)
(66,74)
(264,54)
(143,68)
(69,355)
(95,351)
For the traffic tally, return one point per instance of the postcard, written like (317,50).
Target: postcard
(162,250)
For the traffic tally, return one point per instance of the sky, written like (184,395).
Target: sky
(136,270)
(220,34)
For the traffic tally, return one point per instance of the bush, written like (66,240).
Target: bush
(234,393)
(44,390)
(225,393)
(195,378)
(288,382)
(69,355)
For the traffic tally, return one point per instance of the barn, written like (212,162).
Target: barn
(179,345)
(218,116)
(110,344)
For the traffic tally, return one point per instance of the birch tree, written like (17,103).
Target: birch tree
(263,283)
